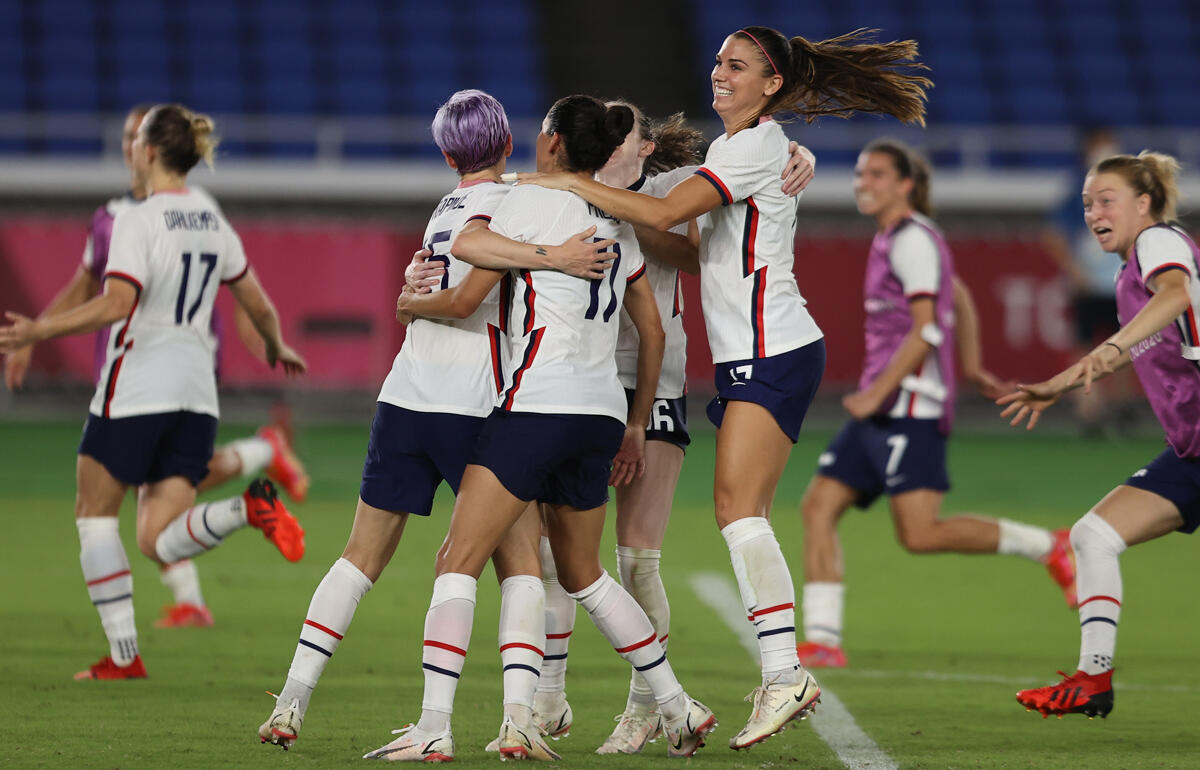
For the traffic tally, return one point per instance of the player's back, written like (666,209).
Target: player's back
(564,329)
(176,248)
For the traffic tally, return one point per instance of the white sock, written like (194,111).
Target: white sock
(1017,539)
(1098,583)
(200,528)
(109,583)
(823,605)
(522,642)
(447,637)
(625,625)
(560,624)
(329,614)
(254,452)
(640,576)
(767,594)
(184,582)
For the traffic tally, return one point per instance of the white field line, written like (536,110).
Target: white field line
(1014,681)
(832,721)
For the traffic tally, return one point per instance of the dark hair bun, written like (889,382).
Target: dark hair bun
(618,122)
(590,130)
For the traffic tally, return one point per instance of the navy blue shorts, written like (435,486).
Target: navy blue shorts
(784,385)
(147,448)
(668,420)
(887,455)
(1178,480)
(410,453)
(560,459)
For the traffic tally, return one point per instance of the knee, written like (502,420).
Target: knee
(920,540)
(1093,533)
(578,577)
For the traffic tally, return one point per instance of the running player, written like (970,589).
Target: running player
(769,353)
(1128,204)
(442,385)
(153,419)
(270,450)
(561,422)
(901,414)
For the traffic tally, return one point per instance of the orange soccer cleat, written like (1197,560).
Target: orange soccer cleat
(106,669)
(1079,693)
(285,468)
(184,616)
(814,655)
(1060,562)
(265,511)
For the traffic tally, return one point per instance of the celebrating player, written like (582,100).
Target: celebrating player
(895,443)
(769,353)
(270,450)
(443,383)
(561,422)
(153,418)
(1128,203)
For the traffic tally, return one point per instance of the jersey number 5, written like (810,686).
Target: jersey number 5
(210,261)
(441,238)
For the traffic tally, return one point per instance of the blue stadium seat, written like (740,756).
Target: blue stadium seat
(1037,104)
(68,53)
(288,95)
(1176,106)
(152,87)
(12,91)
(217,57)
(138,18)
(70,92)
(1111,105)
(1093,32)
(212,20)
(962,105)
(361,96)
(1172,68)
(1023,66)
(216,93)
(1099,69)
(1021,28)
(286,58)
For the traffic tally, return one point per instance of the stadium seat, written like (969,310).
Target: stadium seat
(67,92)
(220,94)
(1036,103)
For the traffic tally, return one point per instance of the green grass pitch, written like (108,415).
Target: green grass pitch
(937,644)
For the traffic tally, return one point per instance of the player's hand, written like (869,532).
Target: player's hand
(292,362)
(581,257)
(1029,401)
(18,334)
(555,180)
(860,405)
(630,462)
(16,366)
(422,275)
(799,171)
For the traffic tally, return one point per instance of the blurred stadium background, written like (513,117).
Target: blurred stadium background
(328,171)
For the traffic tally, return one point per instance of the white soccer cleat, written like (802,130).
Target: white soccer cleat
(774,706)
(687,735)
(416,745)
(635,728)
(552,714)
(283,726)
(523,743)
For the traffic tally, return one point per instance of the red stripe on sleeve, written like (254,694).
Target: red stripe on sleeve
(124,277)
(716,182)
(239,276)
(636,275)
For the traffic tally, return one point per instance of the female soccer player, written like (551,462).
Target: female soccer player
(442,385)
(769,354)
(895,443)
(154,416)
(269,451)
(1128,203)
(561,424)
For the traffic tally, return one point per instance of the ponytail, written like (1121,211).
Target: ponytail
(590,130)
(183,137)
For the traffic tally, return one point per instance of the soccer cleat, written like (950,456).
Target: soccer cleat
(416,745)
(814,655)
(285,468)
(523,743)
(687,735)
(283,726)
(774,706)
(1061,564)
(635,728)
(106,669)
(552,714)
(265,511)
(184,616)
(1079,693)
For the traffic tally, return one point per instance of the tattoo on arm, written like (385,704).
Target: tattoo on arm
(541,251)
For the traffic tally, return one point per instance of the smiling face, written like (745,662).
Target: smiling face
(740,89)
(1114,212)
(879,190)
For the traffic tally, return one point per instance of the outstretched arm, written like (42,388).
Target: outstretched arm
(250,296)
(969,342)
(687,200)
(100,311)
(82,287)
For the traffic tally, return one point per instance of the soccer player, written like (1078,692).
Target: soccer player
(1128,204)
(270,450)
(769,353)
(443,383)
(901,414)
(562,423)
(153,418)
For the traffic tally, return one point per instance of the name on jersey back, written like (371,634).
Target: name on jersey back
(190,220)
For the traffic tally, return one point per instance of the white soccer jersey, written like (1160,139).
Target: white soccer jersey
(564,329)
(752,306)
(455,365)
(176,249)
(664,280)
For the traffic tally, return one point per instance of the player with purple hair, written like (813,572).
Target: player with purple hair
(443,383)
